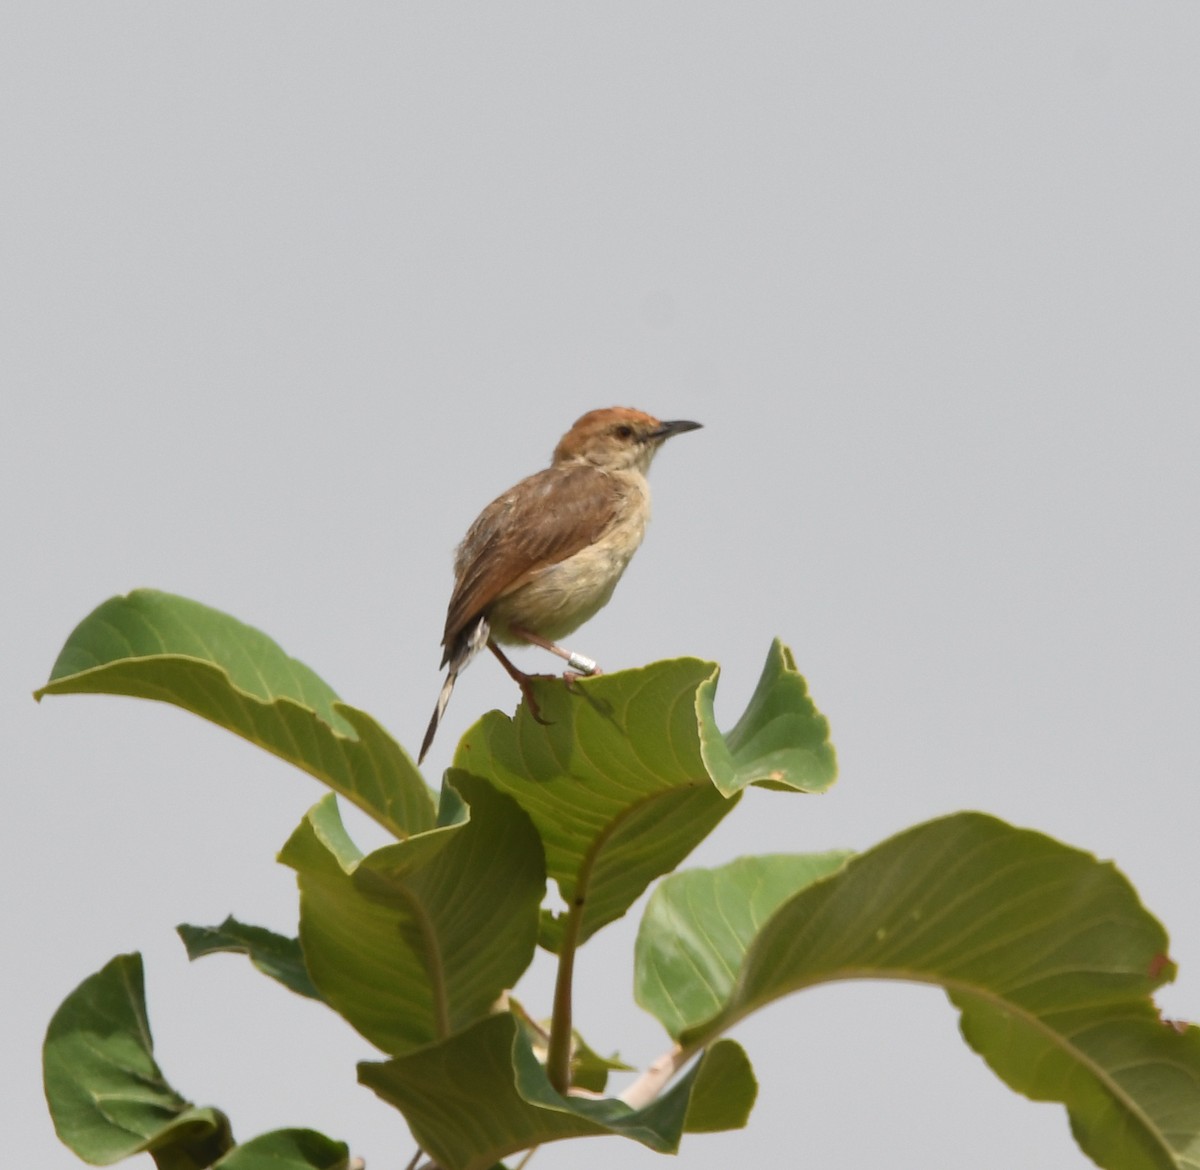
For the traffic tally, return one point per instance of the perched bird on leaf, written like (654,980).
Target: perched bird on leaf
(546,555)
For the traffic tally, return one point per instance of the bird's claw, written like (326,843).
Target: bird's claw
(571,677)
(526,685)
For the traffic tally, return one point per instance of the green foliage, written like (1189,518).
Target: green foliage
(107,1096)
(273,954)
(457,908)
(1046,952)
(699,924)
(618,781)
(109,1099)
(287,1149)
(483,1094)
(152,645)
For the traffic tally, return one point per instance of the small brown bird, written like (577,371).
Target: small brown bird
(546,555)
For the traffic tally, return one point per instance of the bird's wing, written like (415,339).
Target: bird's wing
(542,520)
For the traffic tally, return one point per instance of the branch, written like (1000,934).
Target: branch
(652,1082)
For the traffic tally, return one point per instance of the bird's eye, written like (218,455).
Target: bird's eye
(624,432)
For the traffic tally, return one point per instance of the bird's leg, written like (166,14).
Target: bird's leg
(523,680)
(579,664)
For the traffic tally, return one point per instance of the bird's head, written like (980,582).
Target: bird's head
(617,439)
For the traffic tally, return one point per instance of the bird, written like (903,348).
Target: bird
(545,556)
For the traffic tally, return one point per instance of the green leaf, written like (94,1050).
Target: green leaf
(153,645)
(482,1094)
(589,1070)
(699,923)
(1046,951)
(418,940)
(107,1096)
(287,1149)
(621,780)
(724,1091)
(781,740)
(273,954)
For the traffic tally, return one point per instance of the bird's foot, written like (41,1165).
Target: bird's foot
(531,702)
(571,677)
(579,667)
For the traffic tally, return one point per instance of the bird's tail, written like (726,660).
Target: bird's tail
(438,712)
(459,653)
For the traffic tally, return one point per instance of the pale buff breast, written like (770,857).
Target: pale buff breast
(561,597)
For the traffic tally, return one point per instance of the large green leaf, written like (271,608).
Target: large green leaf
(1047,952)
(482,1094)
(273,954)
(628,773)
(287,1149)
(107,1096)
(155,645)
(699,924)
(418,939)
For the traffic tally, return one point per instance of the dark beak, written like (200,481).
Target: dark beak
(676,427)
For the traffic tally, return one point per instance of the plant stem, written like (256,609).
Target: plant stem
(652,1082)
(558,1052)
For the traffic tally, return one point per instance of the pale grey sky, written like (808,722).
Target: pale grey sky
(290,291)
